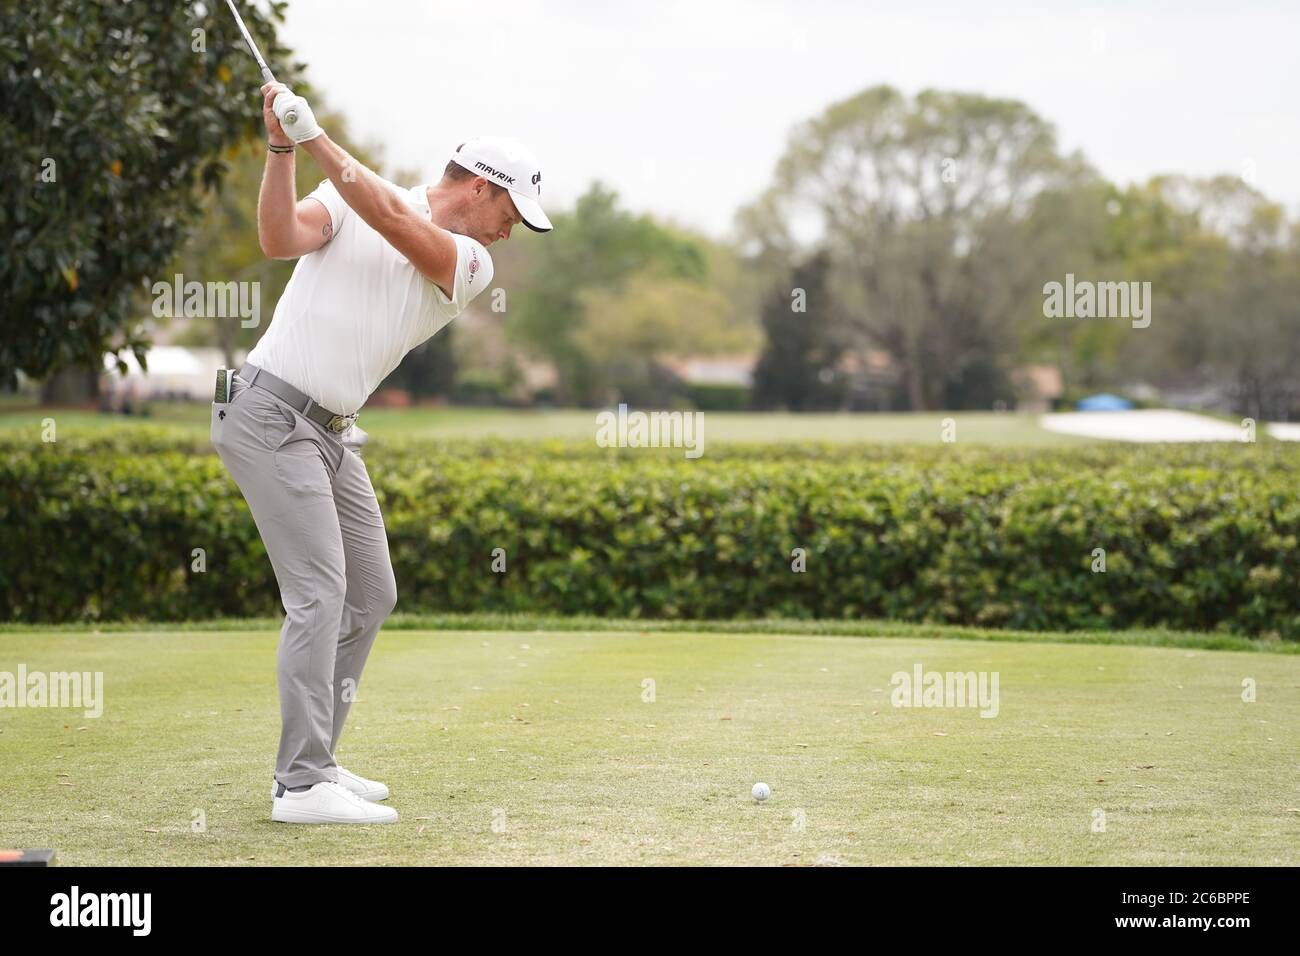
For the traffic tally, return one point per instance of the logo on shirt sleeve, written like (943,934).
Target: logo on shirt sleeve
(473,264)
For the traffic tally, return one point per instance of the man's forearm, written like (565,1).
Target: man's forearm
(369,194)
(428,247)
(276,204)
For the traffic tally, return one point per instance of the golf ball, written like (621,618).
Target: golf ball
(761,792)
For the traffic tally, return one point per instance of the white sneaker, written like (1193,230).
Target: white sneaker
(371,790)
(328,802)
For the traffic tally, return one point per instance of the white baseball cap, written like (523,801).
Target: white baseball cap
(507,163)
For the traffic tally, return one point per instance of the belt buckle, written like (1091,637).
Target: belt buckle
(339,423)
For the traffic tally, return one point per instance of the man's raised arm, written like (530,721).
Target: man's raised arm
(286,227)
(428,247)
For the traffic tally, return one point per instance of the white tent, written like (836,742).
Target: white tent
(174,371)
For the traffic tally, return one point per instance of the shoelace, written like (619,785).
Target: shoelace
(344,791)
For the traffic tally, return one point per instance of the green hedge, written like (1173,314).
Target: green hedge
(1196,537)
(719,398)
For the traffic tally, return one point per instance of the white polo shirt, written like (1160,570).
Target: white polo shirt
(356,306)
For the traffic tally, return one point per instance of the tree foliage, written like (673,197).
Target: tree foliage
(113,113)
(595,247)
(924,205)
(803,347)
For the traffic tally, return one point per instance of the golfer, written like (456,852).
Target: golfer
(380,269)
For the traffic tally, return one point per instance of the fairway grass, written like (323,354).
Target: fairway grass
(519,747)
(921,428)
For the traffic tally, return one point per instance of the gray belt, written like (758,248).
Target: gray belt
(279,387)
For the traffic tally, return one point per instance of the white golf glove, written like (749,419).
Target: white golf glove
(304,126)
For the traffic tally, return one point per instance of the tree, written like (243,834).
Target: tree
(429,369)
(628,332)
(797,368)
(113,113)
(595,247)
(923,204)
(1224,264)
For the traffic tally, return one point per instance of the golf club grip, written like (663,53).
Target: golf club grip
(291,116)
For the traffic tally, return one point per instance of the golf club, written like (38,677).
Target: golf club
(267,75)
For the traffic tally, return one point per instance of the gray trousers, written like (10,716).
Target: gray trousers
(314,506)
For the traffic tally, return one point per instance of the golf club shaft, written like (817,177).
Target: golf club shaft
(267,75)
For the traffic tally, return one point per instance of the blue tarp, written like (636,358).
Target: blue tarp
(1103,403)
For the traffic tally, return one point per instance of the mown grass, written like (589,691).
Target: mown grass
(512,746)
(924,428)
(524,623)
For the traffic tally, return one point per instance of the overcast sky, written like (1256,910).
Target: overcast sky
(684,107)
